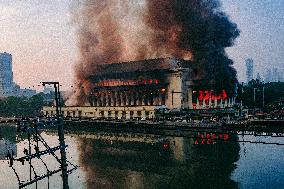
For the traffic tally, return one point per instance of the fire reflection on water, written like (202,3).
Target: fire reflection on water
(145,161)
(150,162)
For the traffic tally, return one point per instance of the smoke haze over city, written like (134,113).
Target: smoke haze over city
(52,49)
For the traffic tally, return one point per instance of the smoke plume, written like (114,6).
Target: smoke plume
(112,31)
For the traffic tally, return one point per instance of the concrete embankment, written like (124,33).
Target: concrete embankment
(166,128)
(9,120)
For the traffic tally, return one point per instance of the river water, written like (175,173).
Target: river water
(110,160)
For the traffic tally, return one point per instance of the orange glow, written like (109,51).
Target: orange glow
(118,82)
(206,94)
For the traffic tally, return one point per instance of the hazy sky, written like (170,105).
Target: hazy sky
(40,36)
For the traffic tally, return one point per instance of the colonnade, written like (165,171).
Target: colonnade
(229,102)
(127,98)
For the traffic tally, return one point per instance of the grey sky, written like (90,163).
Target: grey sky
(262,34)
(42,40)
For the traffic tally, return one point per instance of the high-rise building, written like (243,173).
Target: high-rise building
(6,73)
(258,77)
(249,65)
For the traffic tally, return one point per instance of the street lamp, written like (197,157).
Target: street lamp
(254,96)
(263,97)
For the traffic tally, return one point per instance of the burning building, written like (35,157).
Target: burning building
(113,36)
(152,82)
(136,89)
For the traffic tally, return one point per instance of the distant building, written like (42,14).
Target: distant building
(258,77)
(26,92)
(47,90)
(7,86)
(249,65)
(6,147)
(6,74)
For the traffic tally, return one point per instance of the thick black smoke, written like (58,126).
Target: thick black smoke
(127,30)
(204,29)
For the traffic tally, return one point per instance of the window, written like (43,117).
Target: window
(131,114)
(102,113)
(139,114)
(123,115)
(147,114)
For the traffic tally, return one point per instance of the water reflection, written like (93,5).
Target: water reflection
(123,160)
(132,161)
(7,141)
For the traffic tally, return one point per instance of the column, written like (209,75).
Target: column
(147,99)
(127,97)
(143,99)
(189,98)
(95,100)
(156,99)
(105,98)
(115,98)
(226,103)
(118,99)
(197,105)
(112,98)
(135,100)
(101,99)
(215,103)
(123,101)
(132,98)
(151,99)
(140,99)
(121,98)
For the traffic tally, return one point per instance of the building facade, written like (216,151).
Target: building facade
(137,89)
(6,73)
(249,65)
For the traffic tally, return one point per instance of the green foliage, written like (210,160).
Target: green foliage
(21,106)
(273,92)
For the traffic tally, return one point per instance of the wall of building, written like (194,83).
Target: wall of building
(6,74)
(139,112)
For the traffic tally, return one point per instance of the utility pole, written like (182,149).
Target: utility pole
(242,99)
(254,97)
(60,133)
(263,97)
(32,128)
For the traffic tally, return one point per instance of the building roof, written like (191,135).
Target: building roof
(139,66)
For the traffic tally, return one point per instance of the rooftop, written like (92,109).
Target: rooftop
(140,66)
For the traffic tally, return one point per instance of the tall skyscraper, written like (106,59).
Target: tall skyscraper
(7,86)
(249,65)
(6,73)
(258,77)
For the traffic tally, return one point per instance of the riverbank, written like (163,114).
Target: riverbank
(162,126)
(167,128)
